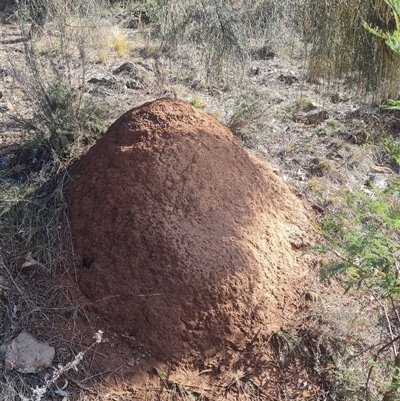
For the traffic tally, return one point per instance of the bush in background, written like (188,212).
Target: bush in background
(63,116)
(338,46)
(220,34)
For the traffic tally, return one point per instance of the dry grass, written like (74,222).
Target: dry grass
(222,36)
(31,303)
(347,331)
(119,41)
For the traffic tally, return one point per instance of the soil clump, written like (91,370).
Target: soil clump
(187,244)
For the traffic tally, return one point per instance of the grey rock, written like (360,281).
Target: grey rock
(288,78)
(97,81)
(133,84)
(126,67)
(339,97)
(313,118)
(378,181)
(4,107)
(255,71)
(144,65)
(4,162)
(25,354)
(133,24)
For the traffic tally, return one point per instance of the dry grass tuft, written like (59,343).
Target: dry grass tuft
(344,332)
(119,41)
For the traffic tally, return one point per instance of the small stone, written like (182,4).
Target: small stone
(339,97)
(146,66)
(255,71)
(133,84)
(311,118)
(25,354)
(133,24)
(97,81)
(381,169)
(378,181)
(4,107)
(311,296)
(4,162)
(126,67)
(288,79)
(307,107)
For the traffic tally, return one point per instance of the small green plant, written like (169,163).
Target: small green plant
(63,116)
(392,148)
(197,103)
(391,105)
(333,123)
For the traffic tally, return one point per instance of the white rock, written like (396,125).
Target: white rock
(25,354)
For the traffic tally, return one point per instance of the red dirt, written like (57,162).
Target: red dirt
(186,242)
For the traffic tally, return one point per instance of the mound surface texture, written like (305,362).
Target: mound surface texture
(187,242)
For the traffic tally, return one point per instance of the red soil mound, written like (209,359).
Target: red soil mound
(187,243)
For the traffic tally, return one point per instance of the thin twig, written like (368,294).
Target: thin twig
(383,306)
(395,309)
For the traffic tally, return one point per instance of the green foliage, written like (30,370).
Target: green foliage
(392,39)
(340,47)
(365,236)
(392,148)
(62,119)
(197,103)
(391,105)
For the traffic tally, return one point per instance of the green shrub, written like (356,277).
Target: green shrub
(364,237)
(392,39)
(58,123)
(392,148)
(338,46)
(63,116)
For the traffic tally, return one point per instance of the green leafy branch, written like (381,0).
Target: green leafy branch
(392,148)
(364,236)
(392,39)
